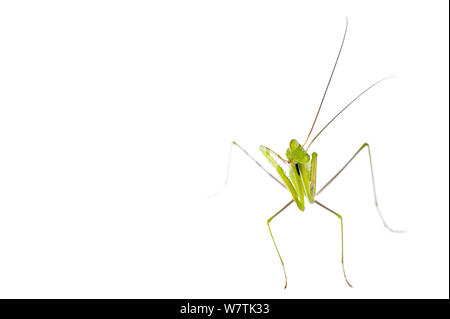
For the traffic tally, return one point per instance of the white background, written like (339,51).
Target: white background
(116,119)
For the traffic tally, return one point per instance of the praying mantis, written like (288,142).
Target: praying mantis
(302,170)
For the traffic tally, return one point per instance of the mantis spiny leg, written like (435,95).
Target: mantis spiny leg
(342,238)
(251,157)
(373,185)
(273,239)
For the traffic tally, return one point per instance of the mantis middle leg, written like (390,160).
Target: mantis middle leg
(252,158)
(373,185)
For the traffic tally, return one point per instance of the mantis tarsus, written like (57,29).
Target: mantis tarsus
(301,179)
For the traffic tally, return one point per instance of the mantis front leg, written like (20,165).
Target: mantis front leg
(299,200)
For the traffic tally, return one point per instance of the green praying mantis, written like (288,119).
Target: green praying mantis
(302,170)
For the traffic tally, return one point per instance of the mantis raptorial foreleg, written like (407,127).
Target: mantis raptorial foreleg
(342,238)
(373,185)
(251,157)
(273,239)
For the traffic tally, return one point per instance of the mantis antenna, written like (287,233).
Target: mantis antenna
(328,84)
(359,95)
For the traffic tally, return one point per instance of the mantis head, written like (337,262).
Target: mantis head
(296,154)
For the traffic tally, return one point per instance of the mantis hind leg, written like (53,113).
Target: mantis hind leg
(342,238)
(273,239)
(373,185)
(252,158)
